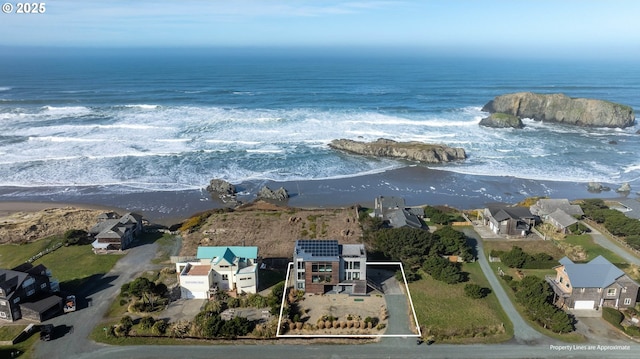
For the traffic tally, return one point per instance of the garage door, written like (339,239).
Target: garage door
(584,304)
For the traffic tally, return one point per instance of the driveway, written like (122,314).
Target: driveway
(522,332)
(73,329)
(605,242)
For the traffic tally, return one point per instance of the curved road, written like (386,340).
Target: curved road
(605,242)
(527,343)
(522,332)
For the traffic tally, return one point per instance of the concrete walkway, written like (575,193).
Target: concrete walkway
(605,242)
(522,332)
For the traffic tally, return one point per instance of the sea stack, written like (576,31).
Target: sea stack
(563,109)
(413,151)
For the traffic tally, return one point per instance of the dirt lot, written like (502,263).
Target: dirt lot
(273,229)
(342,305)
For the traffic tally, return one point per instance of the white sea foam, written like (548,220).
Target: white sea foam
(143,107)
(5,88)
(65,139)
(67,110)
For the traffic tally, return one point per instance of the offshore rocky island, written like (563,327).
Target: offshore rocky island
(508,110)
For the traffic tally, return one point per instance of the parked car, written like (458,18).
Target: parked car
(70,304)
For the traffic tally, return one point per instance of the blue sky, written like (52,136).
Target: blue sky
(524,27)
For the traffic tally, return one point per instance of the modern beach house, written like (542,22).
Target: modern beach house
(322,266)
(232,269)
(509,220)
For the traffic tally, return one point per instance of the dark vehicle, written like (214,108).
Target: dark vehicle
(46,332)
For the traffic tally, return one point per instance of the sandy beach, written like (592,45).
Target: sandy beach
(418,185)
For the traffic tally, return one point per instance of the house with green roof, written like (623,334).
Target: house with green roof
(233,269)
(592,285)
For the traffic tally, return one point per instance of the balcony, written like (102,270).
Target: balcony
(558,288)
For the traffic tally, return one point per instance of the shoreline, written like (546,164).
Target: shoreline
(418,185)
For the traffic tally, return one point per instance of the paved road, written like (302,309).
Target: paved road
(527,343)
(522,332)
(399,348)
(99,294)
(605,242)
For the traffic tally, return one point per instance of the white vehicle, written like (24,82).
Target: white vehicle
(70,304)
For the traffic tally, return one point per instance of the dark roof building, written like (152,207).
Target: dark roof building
(27,292)
(394,211)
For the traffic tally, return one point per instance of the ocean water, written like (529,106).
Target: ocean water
(165,120)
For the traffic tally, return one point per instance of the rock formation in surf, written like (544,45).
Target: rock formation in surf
(562,109)
(413,151)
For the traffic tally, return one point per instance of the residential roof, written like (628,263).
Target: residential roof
(632,207)
(10,280)
(598,273)
(220,252)
(203,269)
(352,250)
(391,202)
(502,212)
(562,218)
(547,206)
(44,304)
(317,249)
(247,270)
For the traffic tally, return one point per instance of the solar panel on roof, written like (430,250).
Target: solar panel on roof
(320,248)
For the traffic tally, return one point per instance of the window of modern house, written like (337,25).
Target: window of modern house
(2,302)
(16,300)
(225,277)
(627,301)
(560,280)
(611,292)
(581,290)
(43,285)
(300,275)
(300,285)
(624,289)
(356,275)
(300,265)
(356,265)
(31,292)
(3,315)
(225,266)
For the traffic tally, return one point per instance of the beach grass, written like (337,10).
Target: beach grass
(445,312)
(593,249)
(528,246)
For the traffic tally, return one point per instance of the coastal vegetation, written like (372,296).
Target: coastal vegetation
(419,249)
(517,258)
(614,221)
(448,315)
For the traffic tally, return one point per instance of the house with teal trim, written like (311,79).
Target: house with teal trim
(233,269)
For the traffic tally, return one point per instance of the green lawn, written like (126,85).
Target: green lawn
(71,265)
(445,312)
(11,255)
(593,249)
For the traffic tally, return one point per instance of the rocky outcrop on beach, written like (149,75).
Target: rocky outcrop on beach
(501,120)
(624,188)
(597,187)
(222,189)
(562,109)
(414,151)
(280,194)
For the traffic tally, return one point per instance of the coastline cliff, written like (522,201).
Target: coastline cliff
(562,109)
(414,151)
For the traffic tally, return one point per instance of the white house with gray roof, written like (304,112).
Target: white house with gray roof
(592,285)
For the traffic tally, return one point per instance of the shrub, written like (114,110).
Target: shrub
(147,322)
(633,331)
(474,291)
(76,237)
(613,316)
(159,327)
